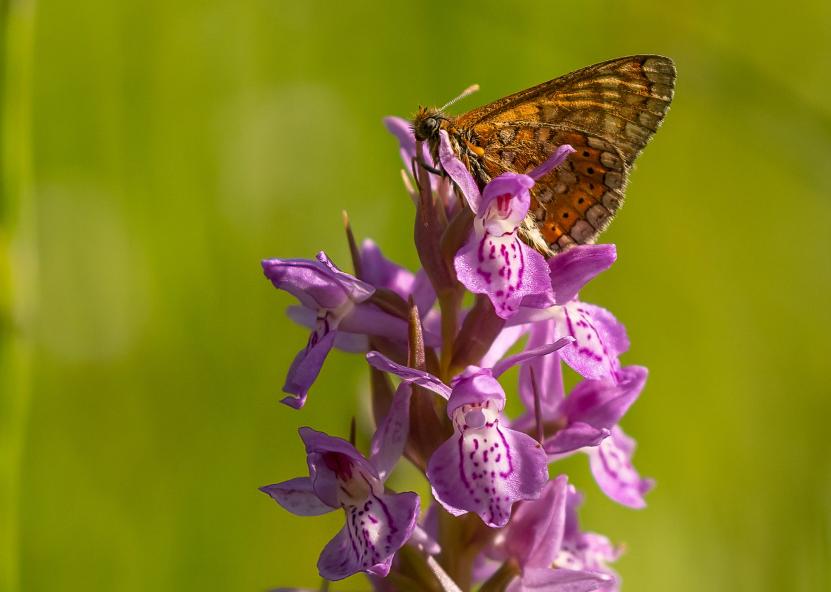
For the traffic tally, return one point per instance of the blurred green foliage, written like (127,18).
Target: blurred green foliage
(171,145)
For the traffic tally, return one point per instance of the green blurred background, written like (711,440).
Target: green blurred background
(154,152)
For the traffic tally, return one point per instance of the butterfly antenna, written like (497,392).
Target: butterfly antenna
(465,93)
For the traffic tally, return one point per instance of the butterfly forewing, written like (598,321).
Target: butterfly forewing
(607,112)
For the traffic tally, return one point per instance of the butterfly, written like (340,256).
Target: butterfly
(607,112)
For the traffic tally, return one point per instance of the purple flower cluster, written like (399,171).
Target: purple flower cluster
(498,517)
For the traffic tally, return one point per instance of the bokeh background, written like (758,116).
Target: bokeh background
(154,152)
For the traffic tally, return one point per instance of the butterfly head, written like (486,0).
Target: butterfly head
(427,123)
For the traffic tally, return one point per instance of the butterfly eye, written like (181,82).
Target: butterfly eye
(429,127)
(426,128)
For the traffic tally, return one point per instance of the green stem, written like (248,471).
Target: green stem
(499,581)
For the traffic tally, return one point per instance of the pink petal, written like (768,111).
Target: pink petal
(298,497)
(458,172)
(531,354)
(599,340)
(373,533)
(577,435)
(358,291)
(391,436)
(305,368)
(504,268)
(536,530)
(486,470)
(506,198)
(557,158)
(601,403)
(561,580)
(574,268)
(611,465)
(419,377)
(368,319)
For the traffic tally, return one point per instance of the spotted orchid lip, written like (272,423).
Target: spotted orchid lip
(485,468)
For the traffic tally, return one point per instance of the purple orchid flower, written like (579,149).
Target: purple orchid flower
(611,465)
(495,261)
(378,523)
(587,420)
(586,551)
(339,303)
(599,337)
(484,467)
(536,540)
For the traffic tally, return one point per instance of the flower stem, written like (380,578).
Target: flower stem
(499,581)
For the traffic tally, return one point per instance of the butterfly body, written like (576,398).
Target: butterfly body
(607,112)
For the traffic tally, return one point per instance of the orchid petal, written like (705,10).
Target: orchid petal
(560,580)
(334,461)
(531,354)
(367,319)
(536,301)
(577,435)
(511,192)
(403,130)
(298,497)
(358,291)
(348,342)
(308,281)
(485,470)
(536,529)
(419,377)
(574,268)
(601,403)
(611,465)
(373,533)
(389,439)
(557,158)
(383,273)
(586,550)
(611,330)
(599,340)
(504,268)
(458,172)
(475,386)
(305,368)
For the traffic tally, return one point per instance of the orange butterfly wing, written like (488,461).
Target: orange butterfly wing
(607,112)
